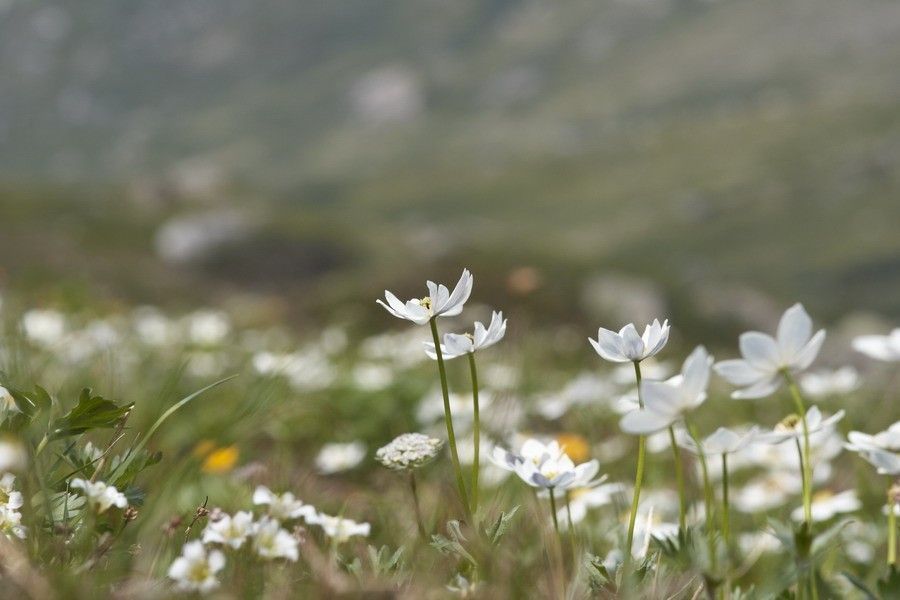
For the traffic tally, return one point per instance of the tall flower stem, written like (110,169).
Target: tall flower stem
(415,495)
(807,467)
(553,510)
(725,518)
(639,473)
(709,497)
(448,420)
(679,479)
(571,528)
(892,532)
(476,431)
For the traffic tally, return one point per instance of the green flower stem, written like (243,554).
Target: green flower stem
(415,494)
(725,518)
(709,497)
(476,431)
(448,420)
(639,474)
(892,535)
(553,510)
(679,478)
(807,457)
(571,527)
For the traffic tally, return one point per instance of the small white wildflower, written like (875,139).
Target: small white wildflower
(822,383)
(13,456)
(195,570)
(11,523)
(880,347)
(792,426)
(271,541)
(9,497)
(282,507)
(334,458)
(826,505)
(409,451)
(439,302)
(456,344)
(208,327)
(341,529)
(629,346)
(230,530)
(100,495)
(44,327)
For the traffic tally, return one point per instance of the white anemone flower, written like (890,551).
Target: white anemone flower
(456,344)
(559,472)
(334,458)
(665,402)
(627,345)
(340,529)
(880,347)
(439,301)
(195,570)
(271,541)
(823,383)
(9,497)
(100,495)
(533,451)
(826,505)
(231,531)
(721,441)
(283,507)
(792,426)
(760,372)
(881,449)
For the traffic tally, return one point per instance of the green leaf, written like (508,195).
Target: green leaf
(858,584)
(499,527)
(91,412)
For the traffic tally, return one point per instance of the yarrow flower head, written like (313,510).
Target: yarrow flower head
(439,301)
(284,507)
(880,347)
(271,541)
(792,426)
(456,344)
(100,495)
(231,531)
(409,451)
(195,570)
(340,529)
(765,359)
(628,346)
(665,402)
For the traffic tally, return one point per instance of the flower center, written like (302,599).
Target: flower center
(789,423)
(425,302)
(199,572)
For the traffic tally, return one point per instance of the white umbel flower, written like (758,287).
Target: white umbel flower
(335,458)
(283,507)
(880,347)
(665,402)
(231,531)
(340,529)
(439,301)
(271,541)
(409,451)
(627,345)
(760,372)
(100,495)
(456,344)
(195,570)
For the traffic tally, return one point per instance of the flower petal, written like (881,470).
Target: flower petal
(760,350)
(643,421)
(809,352)
(739,372)
(609,346)
(794,331)
(760,389)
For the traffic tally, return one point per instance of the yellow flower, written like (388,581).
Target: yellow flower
(221,460)
(575,446)
(203,448)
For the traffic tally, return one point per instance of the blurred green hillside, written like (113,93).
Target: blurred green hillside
(700,144)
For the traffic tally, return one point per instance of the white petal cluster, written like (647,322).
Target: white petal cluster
(340,529)
(282,507)
(665,402)
(628,346)
(439,301)
(760,372)
(456,344)
(823,383)
(195,570)
(335,458)
(826,505)
(881,449)
(231,531)
(11,501)
(100,495)
(721,441)
(880,347)
(792,427)
(547,466)
(409,451)
(271,541)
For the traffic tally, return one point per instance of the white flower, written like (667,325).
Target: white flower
(409,451)
(533,450)
(282,507)
(584,499)
(100,495)
(792,427)
(334,458)
(765,358)
(13,456)
(340,529)
(880,449)
(372,377)
(271,541)
(823,383)
(9,497)
(11,523)
(767,492)
(627,345)
(208,327)
(456,344)
(44,327)
(229,530)
(665,402)
(7,402)
(439,301)
(826,505)
(880,347)
(557,472)
(721,441)
(195,570)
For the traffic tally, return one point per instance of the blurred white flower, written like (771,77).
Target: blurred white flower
(409,451)
(372,377)
(340,529)
(792,426)
(826,505)
(195,570)
(650,528)
(721,441)
(271,541)
(627,345)
(584,389)
(439,301)
(153,328)
(282,507)
(666,402)
(7,402)
(881,449)
(836,382)
(100,495)
(9,497)
(334,458)
(11,523)
(44,327)
(456,344)
(557,472)
(758,542)
(766,492)
(583,500)
(13,455)
(760,372)
(208,327)
(431,407)
(307,370)
(231,531)
(652,368)
(880,347)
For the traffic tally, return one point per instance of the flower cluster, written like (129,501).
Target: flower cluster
(409,451)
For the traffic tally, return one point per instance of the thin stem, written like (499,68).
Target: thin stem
(639,473)
(448,420)
(476,431)
(807,457)
(571,527)
(709,497)
(553,510)
(679,478)
(415,495)
(725,527)
(892,534)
